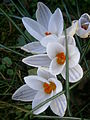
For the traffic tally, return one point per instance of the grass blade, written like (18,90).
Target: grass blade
(82,109)
(57,117)
(25,11)
(15,25)
(12,50)
(17,8)
(85,51)
(67,76)
(13,16)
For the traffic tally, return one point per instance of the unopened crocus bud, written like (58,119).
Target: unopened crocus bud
(83,29)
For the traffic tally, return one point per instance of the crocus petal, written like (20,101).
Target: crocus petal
(48,39)
(56,22)
(70,40)
(53,49)
(72,29)
(24,93)
(75,73)
(59,105)
(55,68)
(44,73)
(40,97)
(74,56)
(34,28)
(58,85)
(34,47)
(43,14)
(37,60)
(83,33)
(84,19)
(71,50)
(35,82)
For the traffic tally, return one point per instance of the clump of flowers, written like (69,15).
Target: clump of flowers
(50,58)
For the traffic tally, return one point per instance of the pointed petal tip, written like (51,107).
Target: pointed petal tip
(23,48)
(24,18)
(39,4)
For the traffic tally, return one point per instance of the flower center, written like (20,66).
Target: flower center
(47,33)
(49,87)
(61,58)
(85,26)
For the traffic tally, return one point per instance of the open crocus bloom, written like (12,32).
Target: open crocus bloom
(83,29)
(55,59)
(39,88)
(47,24)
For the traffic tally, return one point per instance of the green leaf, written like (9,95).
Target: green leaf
(21,41)
(7,61)
(10,72)
(2,67)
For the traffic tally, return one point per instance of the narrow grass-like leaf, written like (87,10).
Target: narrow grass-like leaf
(12,50)
(85,51)
(57,117)
(78,11)
(11,105)
(67,12)
(17,8)
(76,104)
(39,116)
(15,25)
(13,16)
(82,109)
(26,12)
(67,76)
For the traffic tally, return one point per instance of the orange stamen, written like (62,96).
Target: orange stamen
(61,58)
(47,33)
(49,87)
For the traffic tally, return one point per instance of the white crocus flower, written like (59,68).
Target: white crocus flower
(39,88)
(83,29)
(55,59)
(47,24)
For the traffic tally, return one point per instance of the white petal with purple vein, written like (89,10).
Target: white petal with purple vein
(35,82)
(34,47)
(37,60)
(34,28)
(56,23)
(75,73)
(43,14)
(59,105)
(40,97)
(24,93)
(45,74)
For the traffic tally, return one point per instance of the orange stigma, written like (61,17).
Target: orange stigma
(49,87)
(61,58)
(47,33)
